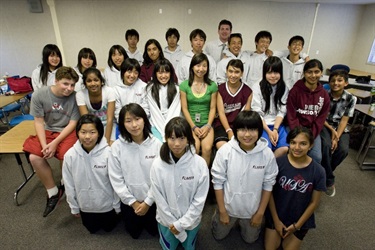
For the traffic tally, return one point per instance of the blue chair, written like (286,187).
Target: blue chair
(20,118)
(326,86)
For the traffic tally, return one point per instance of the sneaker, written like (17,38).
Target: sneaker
(331,191)
(53,201)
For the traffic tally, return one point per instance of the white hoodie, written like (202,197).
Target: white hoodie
(135,93)
(243,175)
(129,169)
(159,117)
(173,56)
(86,179)
(180,191)
(36,81)
(112,77)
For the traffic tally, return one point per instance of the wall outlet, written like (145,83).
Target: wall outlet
(189,11)
(317,52)
(160,11)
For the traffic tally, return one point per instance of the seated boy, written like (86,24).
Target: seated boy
(335,134)
(55,117)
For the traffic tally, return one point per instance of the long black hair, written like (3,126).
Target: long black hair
(163,65)
(272,64)
(49,49)
(112,51)
(197,59)
(146,58)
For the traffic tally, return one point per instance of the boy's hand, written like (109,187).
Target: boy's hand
(269,52)
(49,150)
(334,145)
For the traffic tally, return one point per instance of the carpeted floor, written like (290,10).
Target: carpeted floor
(346,221)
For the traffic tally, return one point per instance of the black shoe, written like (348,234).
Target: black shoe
(51,204)
(53,201)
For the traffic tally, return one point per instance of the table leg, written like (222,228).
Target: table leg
(24,175)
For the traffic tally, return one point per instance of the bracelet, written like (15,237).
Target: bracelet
(229,129)
(295,228)
(277,129)
(194,128)
(207,125)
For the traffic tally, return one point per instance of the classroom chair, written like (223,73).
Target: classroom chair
(365,147)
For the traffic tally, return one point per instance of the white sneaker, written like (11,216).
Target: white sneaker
(331,191)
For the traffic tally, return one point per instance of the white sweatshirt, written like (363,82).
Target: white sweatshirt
(129,169)
(180,190)
(112,77)
(161,116)
(86,179)
(173,56)
(258,105)
(36,81)
(243,176)
(182,70)
(135,93)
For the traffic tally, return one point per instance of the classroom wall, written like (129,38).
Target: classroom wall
(343,33)
(363,43)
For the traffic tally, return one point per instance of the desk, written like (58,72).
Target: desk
(12,143)
(356,73)
(365,109)
(362,94)
(9,99)
(368,138)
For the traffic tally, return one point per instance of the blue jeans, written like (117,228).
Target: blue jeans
(316,152)
(331,160)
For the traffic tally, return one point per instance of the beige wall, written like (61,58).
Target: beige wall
(343,33)
(364,40)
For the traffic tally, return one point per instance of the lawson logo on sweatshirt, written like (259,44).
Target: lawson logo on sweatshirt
(150,156)
(258,167)
(187,178)
(99,166)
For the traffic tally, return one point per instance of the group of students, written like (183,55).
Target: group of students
(136,154)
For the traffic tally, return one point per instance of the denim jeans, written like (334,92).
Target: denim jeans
(331,160)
